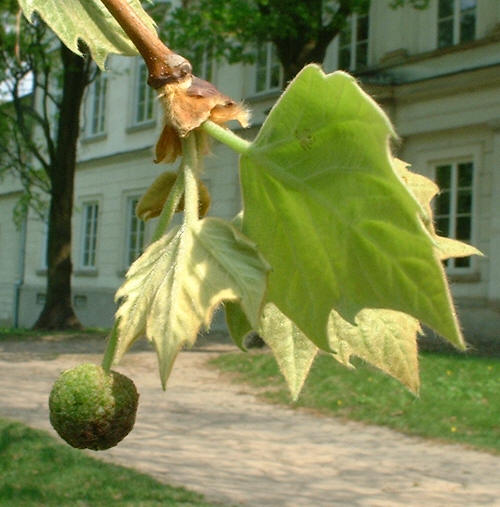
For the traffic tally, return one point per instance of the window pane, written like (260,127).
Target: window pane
(467,26)
(464,201)
(443,203)
(462,262)
(463,227)
(445,8)
(260,84)
(465,174)
(275,77)
(445,33)
(345,58)
(443,176)
(443,226)
(346,34)
(467,4)
(362,28)
(361,55)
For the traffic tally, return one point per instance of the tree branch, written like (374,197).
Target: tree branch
(163,64)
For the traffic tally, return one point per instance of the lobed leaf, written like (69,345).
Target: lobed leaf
(174,287)
(327,210)
(89,21)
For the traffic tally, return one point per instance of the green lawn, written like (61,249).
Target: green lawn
(23,334)
(459,399)
(37,470)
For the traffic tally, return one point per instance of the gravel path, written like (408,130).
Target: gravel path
(218,439)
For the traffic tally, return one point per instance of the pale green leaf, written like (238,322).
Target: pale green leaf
(325,207)
(293,351)
(89,21)
(384,338)
(174,287)
(449,247)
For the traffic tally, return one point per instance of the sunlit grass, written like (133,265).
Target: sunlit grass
(458,402)
(37,470)
(20,334)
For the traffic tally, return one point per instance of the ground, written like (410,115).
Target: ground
(216,438)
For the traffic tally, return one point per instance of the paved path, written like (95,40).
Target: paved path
(214,437)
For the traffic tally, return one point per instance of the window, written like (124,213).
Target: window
(134,232)
(98,105)
(89,234)
(453,205)
(456,22)
(204,64)
(145,96)
(353,43)
(268,70)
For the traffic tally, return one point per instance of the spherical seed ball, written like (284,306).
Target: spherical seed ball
(92,409)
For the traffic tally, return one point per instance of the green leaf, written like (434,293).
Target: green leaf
(237,323)
(174,287)
(89,21)
(384,338)
(326,209)
(293,351)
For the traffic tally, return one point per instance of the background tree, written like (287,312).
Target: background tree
(300,31)
(43,87)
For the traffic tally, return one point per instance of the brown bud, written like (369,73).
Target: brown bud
(151,203)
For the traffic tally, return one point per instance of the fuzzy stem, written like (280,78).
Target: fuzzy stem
(170,206)
(109,354)
(190,153)
(227,137)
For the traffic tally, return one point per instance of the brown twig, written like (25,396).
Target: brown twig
(164,66)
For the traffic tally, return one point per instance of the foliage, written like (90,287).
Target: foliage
(457,401)
(26,62)
(300,31)
(36,470)
(336,248)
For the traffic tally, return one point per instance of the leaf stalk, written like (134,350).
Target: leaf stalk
(191,169)
(227,137)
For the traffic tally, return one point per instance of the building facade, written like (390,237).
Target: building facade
(436,72)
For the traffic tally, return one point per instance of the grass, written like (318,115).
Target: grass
(458,402)
(20,334)
(37,470)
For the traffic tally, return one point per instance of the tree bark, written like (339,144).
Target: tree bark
(58,312)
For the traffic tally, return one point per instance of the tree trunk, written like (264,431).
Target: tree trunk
(58,312)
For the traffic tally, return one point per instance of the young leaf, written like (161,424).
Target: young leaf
(384,338)
(174,287)
(89,21)
(293,351)
(328,212)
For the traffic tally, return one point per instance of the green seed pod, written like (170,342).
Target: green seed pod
(91,408)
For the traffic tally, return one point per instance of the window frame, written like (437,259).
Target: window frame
(129,217)
(454,163)
(270,62)
(94,234)
(96,106)
(353,43)
(149,101)
(456,18)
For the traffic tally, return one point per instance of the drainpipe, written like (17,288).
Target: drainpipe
(20,269)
